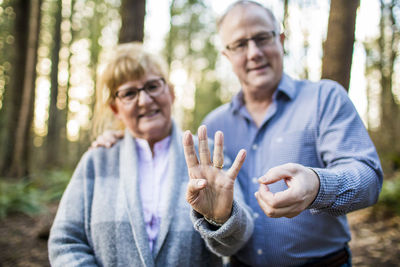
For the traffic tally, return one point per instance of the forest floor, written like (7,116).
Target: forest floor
(23,239)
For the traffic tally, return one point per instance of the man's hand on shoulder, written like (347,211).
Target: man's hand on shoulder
(107,139)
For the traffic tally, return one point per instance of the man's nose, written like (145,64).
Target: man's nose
(253,51)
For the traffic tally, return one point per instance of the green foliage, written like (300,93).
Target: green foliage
(31,196)
(52,184)
(389,199)
(207,98)
(19,197)
(190,44)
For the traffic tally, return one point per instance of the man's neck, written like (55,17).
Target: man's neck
(257,104)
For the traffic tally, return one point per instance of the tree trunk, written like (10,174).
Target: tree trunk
(20,163)
(338,47)
(12,98)
(389,109)
(132,15)
(53,138)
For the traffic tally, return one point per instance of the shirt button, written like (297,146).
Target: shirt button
(256,215)
(259,251)
(254,147)
(254,180)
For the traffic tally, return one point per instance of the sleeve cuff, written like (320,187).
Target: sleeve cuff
(328,187)
(210,231)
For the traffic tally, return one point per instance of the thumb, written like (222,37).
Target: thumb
(193,189)
(275,174)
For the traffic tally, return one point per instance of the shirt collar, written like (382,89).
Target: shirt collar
(159,147)
(285,87)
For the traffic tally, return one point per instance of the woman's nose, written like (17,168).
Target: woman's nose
(144,98)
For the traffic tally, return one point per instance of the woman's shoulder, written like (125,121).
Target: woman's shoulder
(100,157)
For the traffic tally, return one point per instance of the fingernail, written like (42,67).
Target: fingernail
(243,155)
(187,140)
(219,136)
(201,183)
(202,132)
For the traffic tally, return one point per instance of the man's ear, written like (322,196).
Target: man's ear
(224,52)
(282,38)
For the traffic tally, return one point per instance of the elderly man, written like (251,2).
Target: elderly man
(309,157)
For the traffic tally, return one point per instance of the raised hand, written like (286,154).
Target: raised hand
(107,139)
(303,185)
(210,189)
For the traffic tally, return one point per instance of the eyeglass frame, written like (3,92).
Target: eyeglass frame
(144,88)
(233,48)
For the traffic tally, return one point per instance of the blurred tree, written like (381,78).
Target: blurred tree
(285,22)
(189,44)
(6,42)
(20,162)
(132,16)
(15,90)
(338,47)
(64,96)
(382,55)
(53,124)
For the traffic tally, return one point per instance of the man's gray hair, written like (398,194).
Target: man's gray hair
(244,3)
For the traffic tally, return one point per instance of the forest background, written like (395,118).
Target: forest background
(52,50)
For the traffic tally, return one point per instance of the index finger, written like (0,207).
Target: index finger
(189,150)
(278,200)
(237,164)
(275,174)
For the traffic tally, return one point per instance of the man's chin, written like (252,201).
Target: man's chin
(260,82)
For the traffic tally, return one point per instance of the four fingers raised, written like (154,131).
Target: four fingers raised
(204,152)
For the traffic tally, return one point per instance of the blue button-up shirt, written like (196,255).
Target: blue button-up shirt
(316,125)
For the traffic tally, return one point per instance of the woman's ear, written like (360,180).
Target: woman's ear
(171,91)
(114,109)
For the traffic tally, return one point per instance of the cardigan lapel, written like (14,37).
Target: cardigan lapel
(129,175)
(176,172)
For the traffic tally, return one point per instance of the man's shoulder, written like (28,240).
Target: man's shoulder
(218,113)
(323,87)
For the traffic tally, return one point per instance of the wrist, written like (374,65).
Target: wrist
(215,222)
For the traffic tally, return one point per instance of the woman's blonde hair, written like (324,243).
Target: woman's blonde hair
(129,62)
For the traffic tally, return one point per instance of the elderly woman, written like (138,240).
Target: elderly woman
(125,205)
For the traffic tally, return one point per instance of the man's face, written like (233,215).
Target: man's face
(258,66)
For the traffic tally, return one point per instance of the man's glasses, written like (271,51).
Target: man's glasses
(153,88)
(261,40)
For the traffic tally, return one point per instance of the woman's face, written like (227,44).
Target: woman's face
(147,117)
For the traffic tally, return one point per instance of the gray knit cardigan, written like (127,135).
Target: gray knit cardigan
(100,221)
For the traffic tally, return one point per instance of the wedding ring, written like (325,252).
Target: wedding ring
(219,167)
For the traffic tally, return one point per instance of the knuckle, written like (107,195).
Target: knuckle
(270,212)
